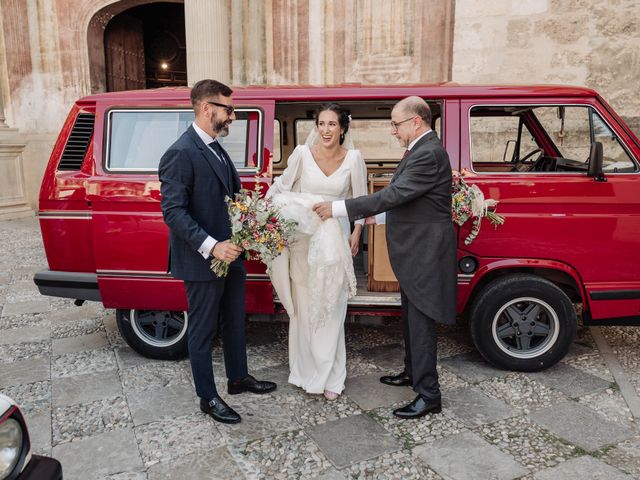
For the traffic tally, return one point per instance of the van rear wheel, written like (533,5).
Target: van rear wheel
(522,322)
(159,334)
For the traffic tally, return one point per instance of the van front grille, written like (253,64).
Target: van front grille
(78,142)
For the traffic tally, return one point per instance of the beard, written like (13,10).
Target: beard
(220,127)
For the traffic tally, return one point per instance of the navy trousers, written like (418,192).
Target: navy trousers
(421,348)
(212,305)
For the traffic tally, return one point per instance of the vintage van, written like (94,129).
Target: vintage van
(562,164)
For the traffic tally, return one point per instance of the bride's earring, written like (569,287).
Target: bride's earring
(341,137)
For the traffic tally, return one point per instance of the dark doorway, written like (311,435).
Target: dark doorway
(145,48)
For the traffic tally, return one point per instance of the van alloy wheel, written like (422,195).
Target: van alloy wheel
(522,322)
(526,327)
(160,334)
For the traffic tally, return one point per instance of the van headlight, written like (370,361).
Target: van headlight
(11,444)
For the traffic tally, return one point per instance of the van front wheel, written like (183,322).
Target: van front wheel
(159,334)
(522,322)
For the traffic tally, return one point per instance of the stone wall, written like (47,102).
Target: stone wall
(576,42)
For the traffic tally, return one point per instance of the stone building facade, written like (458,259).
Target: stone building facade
(54,51)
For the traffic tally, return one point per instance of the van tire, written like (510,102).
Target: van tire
(154,333)
(522,322)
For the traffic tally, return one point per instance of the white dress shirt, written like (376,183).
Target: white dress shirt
(339,207)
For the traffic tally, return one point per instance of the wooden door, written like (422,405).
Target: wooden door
(124,54)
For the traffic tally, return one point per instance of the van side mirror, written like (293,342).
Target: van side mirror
(595,162)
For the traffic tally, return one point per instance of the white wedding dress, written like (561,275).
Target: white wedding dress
(315,278)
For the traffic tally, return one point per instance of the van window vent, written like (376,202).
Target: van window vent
(78,142)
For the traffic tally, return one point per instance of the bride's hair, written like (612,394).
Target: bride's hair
(343,117)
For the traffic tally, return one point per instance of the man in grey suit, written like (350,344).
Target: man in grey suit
(422,247)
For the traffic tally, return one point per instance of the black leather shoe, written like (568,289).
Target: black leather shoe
(219,410)
(400,380)
(419,408)
(250,384)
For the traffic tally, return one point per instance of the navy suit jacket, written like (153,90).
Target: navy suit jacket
(193,190)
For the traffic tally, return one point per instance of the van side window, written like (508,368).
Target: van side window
(137,139)
(542,138)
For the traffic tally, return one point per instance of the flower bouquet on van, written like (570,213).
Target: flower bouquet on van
(468,202)
(257,226)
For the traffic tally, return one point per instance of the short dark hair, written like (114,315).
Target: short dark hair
(208,88)
(343,116)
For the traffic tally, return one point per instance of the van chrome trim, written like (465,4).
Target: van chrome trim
(65,214)
(545,104)
(465,277)
(164,275)
(107,138)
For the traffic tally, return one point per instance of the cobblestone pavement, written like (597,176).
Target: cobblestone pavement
(107,413)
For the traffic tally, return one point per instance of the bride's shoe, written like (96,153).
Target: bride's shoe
(331,396)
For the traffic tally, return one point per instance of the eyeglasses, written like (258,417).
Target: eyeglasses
(228,108)
(394,125)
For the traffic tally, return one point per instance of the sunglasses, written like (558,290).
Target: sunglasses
(228,108)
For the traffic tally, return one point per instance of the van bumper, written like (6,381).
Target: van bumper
(81,286)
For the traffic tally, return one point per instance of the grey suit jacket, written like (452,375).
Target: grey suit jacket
(420,235)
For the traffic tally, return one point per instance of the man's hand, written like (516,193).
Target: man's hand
(323,209)
(226,251)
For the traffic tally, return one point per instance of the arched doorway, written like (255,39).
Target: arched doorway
(136,44)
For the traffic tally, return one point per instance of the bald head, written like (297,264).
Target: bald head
(415,106)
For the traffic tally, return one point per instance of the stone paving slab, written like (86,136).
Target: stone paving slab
(387,357)
(262,416)
(110,452)
(127,358)
(85,388)
(61,346)
(39,425)
(31,306)
(165,402)
(580,425)
(353,439)
(472,367)
(174,438)
(473,407)
(569,380)
(26,334)
(25,371)
(215,463)
(582,468)
(369,393)
(625,456)
(467,456)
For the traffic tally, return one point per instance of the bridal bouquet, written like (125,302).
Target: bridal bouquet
(257,226)
(468,202)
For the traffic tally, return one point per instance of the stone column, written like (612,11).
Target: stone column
(207,35)
(13,198)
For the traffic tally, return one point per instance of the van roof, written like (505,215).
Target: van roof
(354,91)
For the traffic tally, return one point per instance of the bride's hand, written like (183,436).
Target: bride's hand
(354,239)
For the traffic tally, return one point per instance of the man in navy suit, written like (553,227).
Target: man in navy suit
(196,175)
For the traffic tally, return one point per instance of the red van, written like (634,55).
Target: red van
(562,164)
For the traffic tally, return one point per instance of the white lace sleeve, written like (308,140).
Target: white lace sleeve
(287,181)
(359,179)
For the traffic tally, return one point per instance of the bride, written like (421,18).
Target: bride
(315,279)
